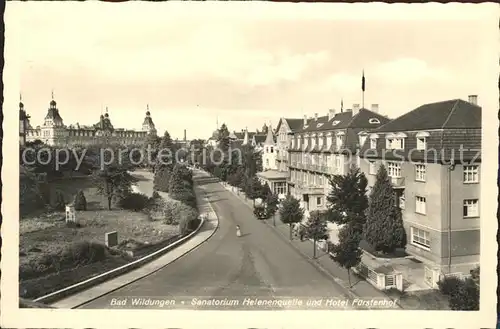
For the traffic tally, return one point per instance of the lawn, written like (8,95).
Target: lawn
(45,237)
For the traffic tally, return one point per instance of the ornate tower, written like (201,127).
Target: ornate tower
(53,129)
(148,124)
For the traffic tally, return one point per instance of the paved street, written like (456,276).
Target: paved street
(260,264)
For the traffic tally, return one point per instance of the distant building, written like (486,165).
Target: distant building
(53,131)
(433,156)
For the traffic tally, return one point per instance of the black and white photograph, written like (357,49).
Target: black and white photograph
(251,158)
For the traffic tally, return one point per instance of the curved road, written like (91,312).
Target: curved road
(260,264)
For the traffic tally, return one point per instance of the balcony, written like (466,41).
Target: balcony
(304,188)
(398,182)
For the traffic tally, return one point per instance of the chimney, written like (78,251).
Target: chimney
(184,134)
(375,108)
(331,114)
(355,109)
(305,119)
(473,99)
(315,116)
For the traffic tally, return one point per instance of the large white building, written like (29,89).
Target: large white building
(53,131)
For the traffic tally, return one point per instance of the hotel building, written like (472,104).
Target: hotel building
(433,156)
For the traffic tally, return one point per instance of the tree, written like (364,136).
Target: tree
(291,212)
(316,228)
(80,201)
(113,182)
(384,228)
(60,203)
(347,199)
(254,189)
(265,191)
(465,297)
(166,151)
(347,253)
(223,138)
(153,143)
(161,181)
(272,202)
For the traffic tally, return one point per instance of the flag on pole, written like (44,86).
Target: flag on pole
(342,105)
(363,81)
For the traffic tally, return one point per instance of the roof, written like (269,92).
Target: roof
(450,114)
(345,120)
(259,138)
(148,121)
(293,123)
(453,131)
(273,174)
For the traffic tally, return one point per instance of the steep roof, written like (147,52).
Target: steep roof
(450,114)
(453,127)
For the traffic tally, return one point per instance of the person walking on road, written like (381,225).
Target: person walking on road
(238,231)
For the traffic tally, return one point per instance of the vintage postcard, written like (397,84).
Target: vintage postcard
(249,164)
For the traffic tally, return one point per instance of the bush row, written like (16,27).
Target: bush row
(182,210)
(77,254)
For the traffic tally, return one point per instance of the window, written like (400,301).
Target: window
(420,238)
(374,121)
(471,174)
(320,141)
(313,141)
(420,205)
(394,169)
(421,143)
(305,142)
(402,201)
(394,143)
(420,173)
(362,139)
(329,142)
(267,162)
(319,201)
(373,170)
(272,149)
(471,208)
(373,143)
(339,141)
(280,188)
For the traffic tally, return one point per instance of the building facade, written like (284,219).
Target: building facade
(433,156)
(54,132)
(325,146)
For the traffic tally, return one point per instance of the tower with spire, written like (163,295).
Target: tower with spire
(53,130)
(23,122)
(269,151)
(148,125)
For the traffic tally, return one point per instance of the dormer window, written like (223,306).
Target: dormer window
(395,141)
(339,140)
(335,122)
(320,141)
(374,121)
(329,141)
(305,126)
(362,138)
(422,140)
(373,141)
(319,125)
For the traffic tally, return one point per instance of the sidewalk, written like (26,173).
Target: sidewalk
(207,230)
(360,287)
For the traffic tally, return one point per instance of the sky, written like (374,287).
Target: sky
(199,64)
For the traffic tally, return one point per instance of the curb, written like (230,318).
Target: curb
(86,284)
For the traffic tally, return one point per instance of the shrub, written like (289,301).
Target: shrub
(134,201)
(81,253)
(162,178)
(80,201)
(155,195)
(448,285)
(60,203)
(188,221)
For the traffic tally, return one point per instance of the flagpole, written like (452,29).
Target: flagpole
(363,90)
